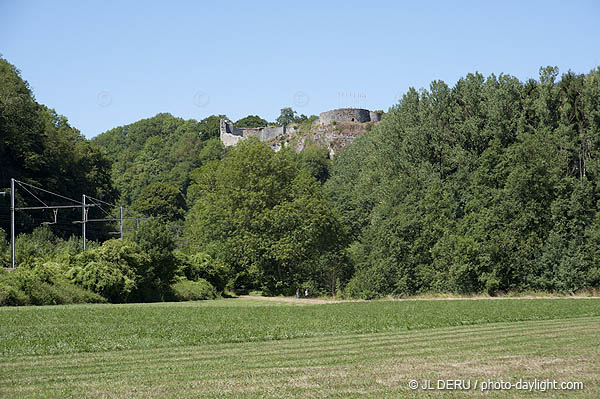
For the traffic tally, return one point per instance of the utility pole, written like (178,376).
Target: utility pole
(83,219)
(12,222)
(121,221)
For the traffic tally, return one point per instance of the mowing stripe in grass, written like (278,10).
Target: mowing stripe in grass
(371,365)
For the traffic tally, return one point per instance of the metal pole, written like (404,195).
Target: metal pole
(12,222)
(83,219)
(121,221)
(137,224)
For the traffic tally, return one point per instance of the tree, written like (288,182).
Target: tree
(264,217)
(162,149)
(315,160)
(286,116)
(251,121)
(210,127)
(161,200)
(487,186)
(158,242)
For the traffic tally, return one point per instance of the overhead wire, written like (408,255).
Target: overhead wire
(48,192)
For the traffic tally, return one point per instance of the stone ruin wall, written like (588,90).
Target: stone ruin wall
(349,123)
(231,135)
(357,115)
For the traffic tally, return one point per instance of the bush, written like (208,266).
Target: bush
(312,287)
(112,270)
(186,290)
(104,278)
(11,296)
(65,292)
(203,266)
(4,250)
(360,287)
(40,244)
(41,286)
(373,282)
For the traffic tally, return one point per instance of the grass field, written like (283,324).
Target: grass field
(242,348)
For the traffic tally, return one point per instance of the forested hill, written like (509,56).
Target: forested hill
(491,184)
(162,149)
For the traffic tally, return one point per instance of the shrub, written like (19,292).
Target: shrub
(312,287)
(41,286)
(104,278)
(11,296)
(40,244)
(203,266)
(360,287)
(186,290)
(373,282)
(65,292)
(112,270)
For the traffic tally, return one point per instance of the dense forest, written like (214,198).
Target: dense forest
(492,185)
(488,186)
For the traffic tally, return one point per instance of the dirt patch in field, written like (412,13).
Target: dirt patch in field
(320,301)
(306,301)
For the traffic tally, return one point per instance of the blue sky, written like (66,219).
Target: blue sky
(110,63)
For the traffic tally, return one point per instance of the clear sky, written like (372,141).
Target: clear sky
(108,63)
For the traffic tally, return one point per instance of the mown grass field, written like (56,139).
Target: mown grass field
(243,348)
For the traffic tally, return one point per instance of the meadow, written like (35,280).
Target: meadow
(252,349)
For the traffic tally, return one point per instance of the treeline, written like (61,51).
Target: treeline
(492,185)
(164,150)
(488,186)
(161,149)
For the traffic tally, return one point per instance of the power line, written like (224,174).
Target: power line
(85,207)
(46,191)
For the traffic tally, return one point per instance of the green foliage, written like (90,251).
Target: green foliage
(161,200)
(40,244)
(491,186)
(186,290)
(156,240)
(286,116)
(264,217)
(41,284)
(251,121)
(315,160)
(11,296)
(113,270)
(162,149)
(203,266)
(4,250)
(210,127)
(112,281)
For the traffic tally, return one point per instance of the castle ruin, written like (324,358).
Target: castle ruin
(355,119)
(358,115)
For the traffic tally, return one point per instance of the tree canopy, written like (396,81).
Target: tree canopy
(266,218)
(490,185)
(251,121)
(161,149)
